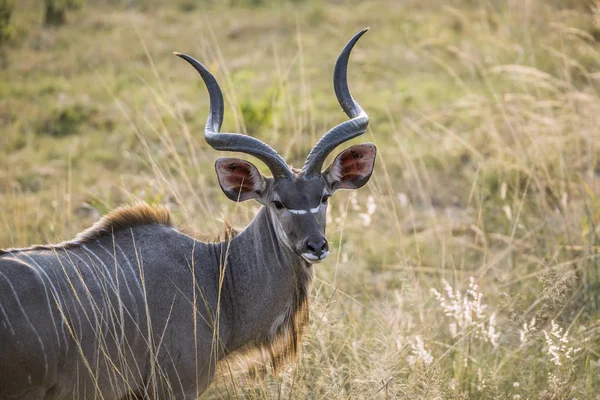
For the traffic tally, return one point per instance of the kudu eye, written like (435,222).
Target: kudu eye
(325,199)
(278,205)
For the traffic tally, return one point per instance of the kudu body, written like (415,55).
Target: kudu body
(133,308)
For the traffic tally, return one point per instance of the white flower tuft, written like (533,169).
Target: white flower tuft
(468,312)
(557,340)
(419,352)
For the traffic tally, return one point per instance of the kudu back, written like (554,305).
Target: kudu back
(133,308)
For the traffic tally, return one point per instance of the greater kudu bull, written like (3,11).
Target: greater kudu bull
(133,308)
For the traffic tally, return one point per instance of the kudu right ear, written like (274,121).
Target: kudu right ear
(240,180)
(352,168)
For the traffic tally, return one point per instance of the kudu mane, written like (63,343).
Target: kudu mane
(121,218)
(127,217)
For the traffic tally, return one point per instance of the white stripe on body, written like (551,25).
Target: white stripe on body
(72,298)
(7,320)
(135,317)
(39,339)
(113,255)
(117,292)
(91,300)
(39,274)
(107,282)
(57,297)
(138,333)
(55,293)
(108,318)
(133,271)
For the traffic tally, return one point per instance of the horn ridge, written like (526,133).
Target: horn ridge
(233,141)
(359,120)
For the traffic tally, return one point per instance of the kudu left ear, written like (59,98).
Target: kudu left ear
(240,180)
(352,168)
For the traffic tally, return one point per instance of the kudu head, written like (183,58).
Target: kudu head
(296,200)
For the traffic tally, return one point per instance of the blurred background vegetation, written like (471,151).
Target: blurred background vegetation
(486,114)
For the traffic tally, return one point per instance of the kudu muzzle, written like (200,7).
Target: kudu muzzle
(314,248)
(318,249)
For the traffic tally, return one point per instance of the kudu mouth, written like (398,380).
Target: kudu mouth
(313,259)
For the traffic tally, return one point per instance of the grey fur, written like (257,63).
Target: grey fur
(154,288)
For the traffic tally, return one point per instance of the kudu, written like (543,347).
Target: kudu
(133,308)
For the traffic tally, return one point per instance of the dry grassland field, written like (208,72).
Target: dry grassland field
(468,266)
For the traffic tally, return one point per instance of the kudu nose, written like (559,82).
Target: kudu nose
(318,247)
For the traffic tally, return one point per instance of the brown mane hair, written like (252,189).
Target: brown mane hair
(271,353)
(124,217)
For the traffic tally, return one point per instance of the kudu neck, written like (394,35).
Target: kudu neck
(260,244)
(264,278)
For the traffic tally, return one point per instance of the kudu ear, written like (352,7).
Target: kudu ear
(240,180)
(352,168)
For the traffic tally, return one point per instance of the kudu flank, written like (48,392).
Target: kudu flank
(133,308)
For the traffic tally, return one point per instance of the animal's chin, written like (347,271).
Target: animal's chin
(312,259)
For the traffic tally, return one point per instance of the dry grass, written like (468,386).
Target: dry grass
(482,212)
